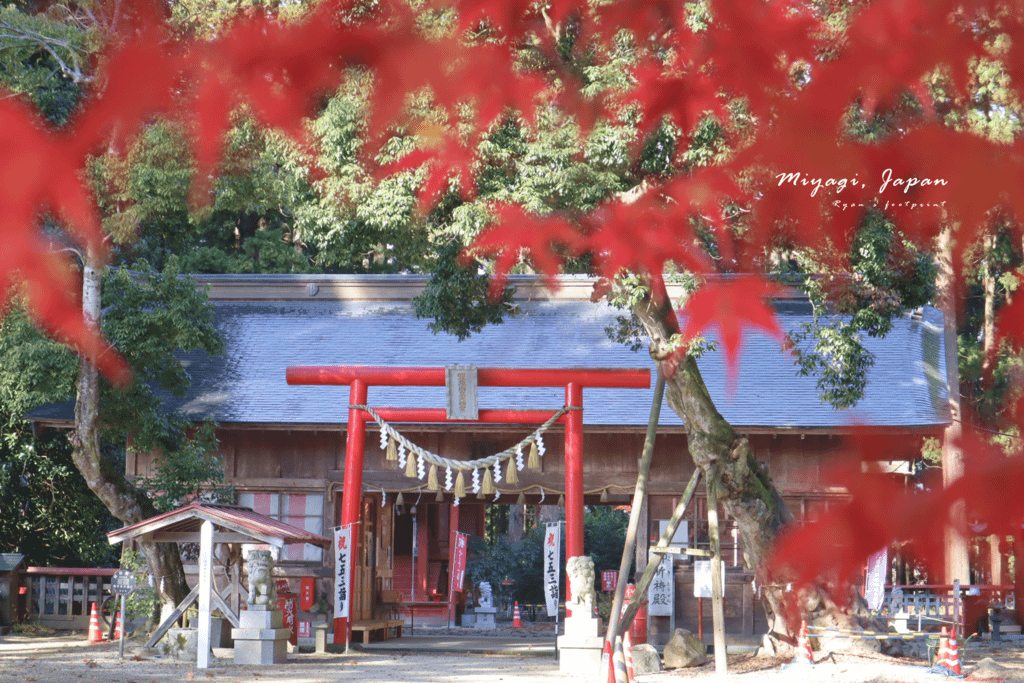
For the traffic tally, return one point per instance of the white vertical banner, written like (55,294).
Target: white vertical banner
(342,571)
(552,536)
(874,582)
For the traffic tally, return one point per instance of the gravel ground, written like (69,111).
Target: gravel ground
(67,658)
(982,661)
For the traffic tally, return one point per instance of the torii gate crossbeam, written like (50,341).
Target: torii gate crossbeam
(360,378)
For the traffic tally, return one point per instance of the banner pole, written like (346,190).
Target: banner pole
(124,627)
(558,554)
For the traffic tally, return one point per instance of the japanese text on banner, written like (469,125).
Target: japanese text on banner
(459,573)
(342,570)
(551,564)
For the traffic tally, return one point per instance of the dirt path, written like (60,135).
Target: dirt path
(60,658)
(69,658)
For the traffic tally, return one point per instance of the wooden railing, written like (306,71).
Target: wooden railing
(931,606)
(62,597)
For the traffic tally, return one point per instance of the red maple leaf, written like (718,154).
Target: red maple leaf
(444,159)
(889,46)
(547,239)
(641,237)
(684,98)
(41,172)
(732,304)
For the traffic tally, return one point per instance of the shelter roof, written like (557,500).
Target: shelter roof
(238,521)
(10,562)
(272,322)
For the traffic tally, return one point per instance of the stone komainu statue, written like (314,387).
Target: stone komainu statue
(260,567)
(581,582)
(486,596)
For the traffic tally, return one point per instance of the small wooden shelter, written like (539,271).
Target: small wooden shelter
(11,564)
(208,524)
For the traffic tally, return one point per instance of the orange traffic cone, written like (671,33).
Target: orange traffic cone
(517,620)
(953,654)
(803,647)
(619,662)
(942,651)
(95,634)
(627,647)
(118,626)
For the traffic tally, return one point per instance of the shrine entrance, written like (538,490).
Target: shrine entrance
(484,472)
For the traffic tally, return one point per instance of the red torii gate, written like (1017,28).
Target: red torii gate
(360,378)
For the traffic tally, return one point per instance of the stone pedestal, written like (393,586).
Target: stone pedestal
(579,650)
(320,637)
(485,618)
(260,638)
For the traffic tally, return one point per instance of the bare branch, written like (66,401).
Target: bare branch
(51,45)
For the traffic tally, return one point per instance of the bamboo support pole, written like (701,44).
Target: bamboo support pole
(639,496)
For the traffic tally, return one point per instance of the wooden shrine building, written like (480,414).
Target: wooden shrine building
(284,444)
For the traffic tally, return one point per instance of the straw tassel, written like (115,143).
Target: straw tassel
(488,486)
(400,500)
(432,484)
(392,452)
(534,461)
(512,476)
(410,468)
(521,500)
(460,485)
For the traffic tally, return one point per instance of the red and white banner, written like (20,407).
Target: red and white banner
(459,565)
(342,571)
(552,536)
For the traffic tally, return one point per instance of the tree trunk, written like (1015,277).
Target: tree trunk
(984,410)
(124,500)
(746,492)
(957,564)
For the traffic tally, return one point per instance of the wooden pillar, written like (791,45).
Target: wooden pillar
(353,487)
(1018,570)
(205,588)
(422,558)
(995,558)
(573,476)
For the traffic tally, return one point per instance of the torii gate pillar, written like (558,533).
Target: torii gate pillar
(573,477)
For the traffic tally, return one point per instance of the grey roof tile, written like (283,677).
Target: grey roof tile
(247,385)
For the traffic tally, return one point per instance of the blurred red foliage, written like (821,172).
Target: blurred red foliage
(282,69)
